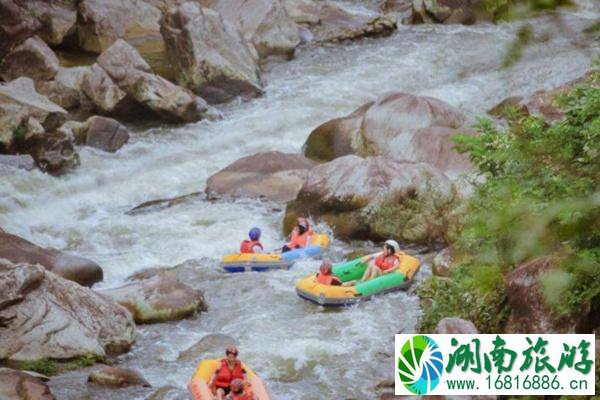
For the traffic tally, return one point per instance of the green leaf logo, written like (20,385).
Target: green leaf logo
(420,364)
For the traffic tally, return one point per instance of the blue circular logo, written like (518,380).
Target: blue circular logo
(420,364)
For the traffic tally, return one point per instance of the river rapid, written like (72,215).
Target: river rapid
(301,350)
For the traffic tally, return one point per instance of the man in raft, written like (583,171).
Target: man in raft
(325,277)
(253,245)
(230,370)
(301,236)
(386,262)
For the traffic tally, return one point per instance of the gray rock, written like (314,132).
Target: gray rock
(270,175)
(78,269)
(46,316)
(210,55)
(33,59)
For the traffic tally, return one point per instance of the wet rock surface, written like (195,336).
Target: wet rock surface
(72,267)
(210,55)
(270,175)
(374,198)
(158,299)
(117,377)
(20,385)
(47,317)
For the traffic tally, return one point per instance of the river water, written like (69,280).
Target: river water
(303,351)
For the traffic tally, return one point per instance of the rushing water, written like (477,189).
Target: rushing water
(303,351)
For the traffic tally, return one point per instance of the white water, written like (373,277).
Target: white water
(301,350)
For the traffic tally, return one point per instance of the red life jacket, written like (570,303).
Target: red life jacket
(328,279)
(226,375)
(299,241)
(384,263)
(247,246)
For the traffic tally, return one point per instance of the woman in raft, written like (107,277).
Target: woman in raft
(301,236)
(386,262)
(230,370)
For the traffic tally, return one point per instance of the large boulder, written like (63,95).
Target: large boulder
(118,377)
(134,76)
(529,312)
(211,57)
(16,25)
(337,24)
(270,175)
(337,137)
(78,269)
(54,152)
(32,58)
(102,133)
(22,110)
(158,299)
(264,23)
(465,12)
(378,198)
(103,22)
(57,18)
(66,89)
(435,145)
(400,126)
(103,92)
(45,316)
(20,385)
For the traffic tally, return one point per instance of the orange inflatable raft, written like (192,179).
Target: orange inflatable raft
(198,385)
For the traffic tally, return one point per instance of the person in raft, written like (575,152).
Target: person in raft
(301,236)
(386,262)
(253,245)
(230,369)
(237,391)
(325,277)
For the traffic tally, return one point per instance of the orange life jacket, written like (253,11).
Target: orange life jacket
(384,263)
(226,375)
(233,396)
(328,279)
(299,241)
(247,246)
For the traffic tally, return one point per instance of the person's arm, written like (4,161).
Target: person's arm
(257,249)
(212,378)
(395,268)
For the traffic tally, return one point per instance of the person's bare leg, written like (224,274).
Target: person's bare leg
(220,394)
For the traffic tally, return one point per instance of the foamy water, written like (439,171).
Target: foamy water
(301,350)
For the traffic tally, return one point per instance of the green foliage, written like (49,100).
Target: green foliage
(540,195)
(50,367)
(19,133)
(42,366)
(473,292)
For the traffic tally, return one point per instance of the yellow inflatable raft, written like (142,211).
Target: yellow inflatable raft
(198,385)
(308,288)
(244,262)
